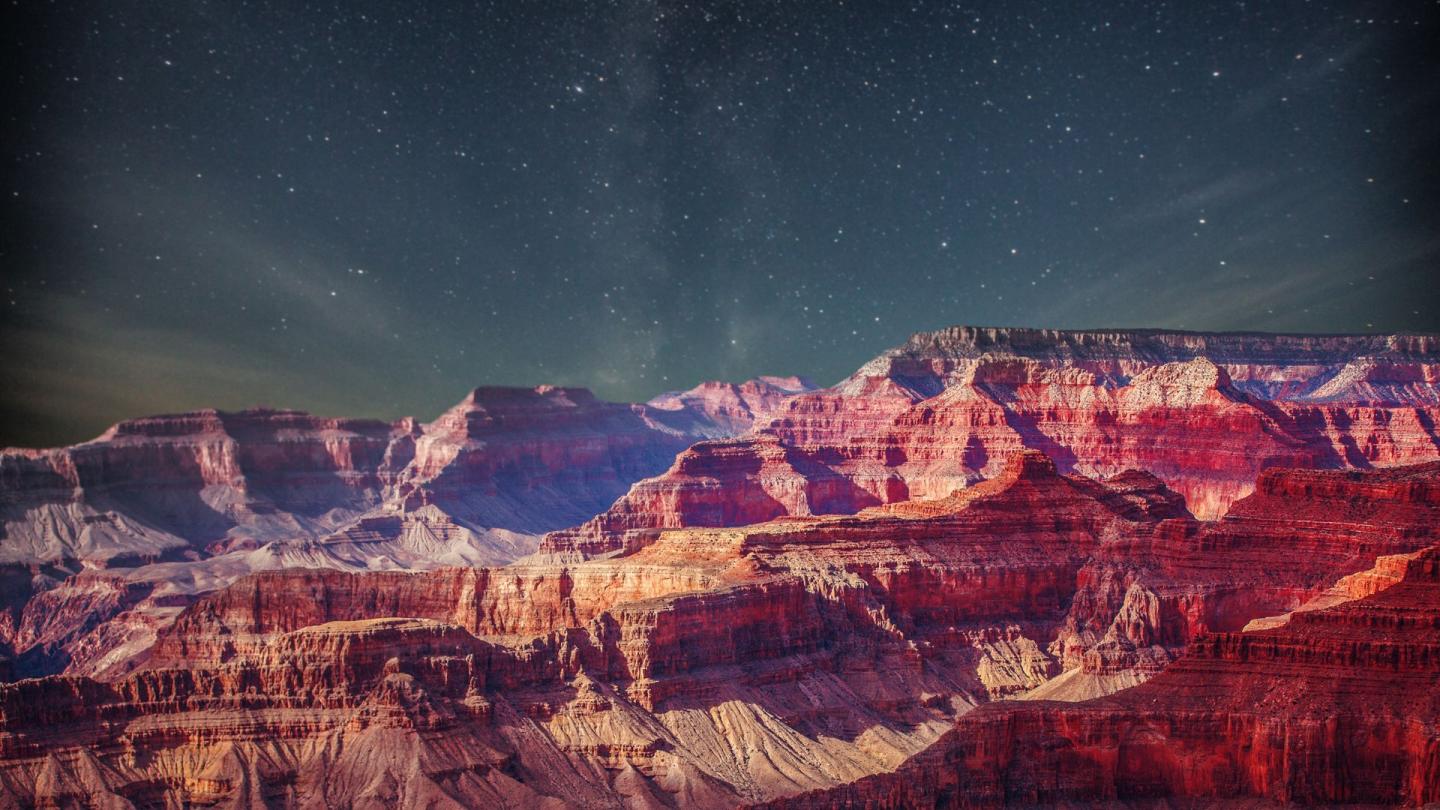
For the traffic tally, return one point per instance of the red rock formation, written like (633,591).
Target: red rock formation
(1205,413)
(512,601)
(707,666)
(519,459)
(1142,600)
(197,500)
(1334,706)
(793,609)
(150,487)
(551,713)
(716,483)
(500,450)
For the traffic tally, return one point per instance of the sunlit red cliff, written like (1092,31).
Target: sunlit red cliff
(990,566)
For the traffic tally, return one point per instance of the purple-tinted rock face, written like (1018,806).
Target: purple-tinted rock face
(178,505)
(523,460)
(1218,550)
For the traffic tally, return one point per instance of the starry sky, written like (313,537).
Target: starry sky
(369,208)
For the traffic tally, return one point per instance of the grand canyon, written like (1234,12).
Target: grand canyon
(663,404)
(992,566)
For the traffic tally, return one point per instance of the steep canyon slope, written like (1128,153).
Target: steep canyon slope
(711,667)
(767,591)
(1332,706)
(103,542)
(1204,412)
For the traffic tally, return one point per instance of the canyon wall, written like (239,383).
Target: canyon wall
(1332,706)
(1206,413)
(719,666)
(766,591)
(175,506)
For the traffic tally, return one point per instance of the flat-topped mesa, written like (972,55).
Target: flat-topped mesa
(1164,345)
(150,487)
(490,410)
(493,428)
(1205,412)
(1027,465)
(1336,706)
(1411,487)
(239,449)
(788,384)
(1403,367)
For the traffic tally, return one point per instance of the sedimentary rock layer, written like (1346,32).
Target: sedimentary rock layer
(1205,413)
(175,506)
(710,667)
(521,460)
(1333,706)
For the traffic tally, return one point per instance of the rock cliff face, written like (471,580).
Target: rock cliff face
(1163,565)
(180,505)
(1205,413)
(708,666)
(1141,601)
(526,460)
(151,488)
(1333,706)
(520,460)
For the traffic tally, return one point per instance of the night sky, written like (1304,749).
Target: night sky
(362,209)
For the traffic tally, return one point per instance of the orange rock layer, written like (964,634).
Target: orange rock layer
(1335,706)
(714,667)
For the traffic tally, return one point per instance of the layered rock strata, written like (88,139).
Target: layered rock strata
(175,506)
(1332,706)
(1206,413)
(710,667)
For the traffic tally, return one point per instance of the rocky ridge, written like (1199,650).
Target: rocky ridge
(1206,413)
(812,594)
(710,667)
(175,506)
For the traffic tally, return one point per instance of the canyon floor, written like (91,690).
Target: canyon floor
(992,566)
